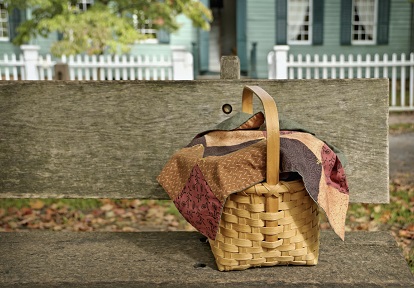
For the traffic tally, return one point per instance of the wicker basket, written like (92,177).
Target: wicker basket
(270,223)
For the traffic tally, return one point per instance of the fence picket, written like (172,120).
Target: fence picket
(6,69)
(49,65)
(411,81)
(22,68)
(385,69)
(351,68)
(163,62)
(341,68)
(109,68)
(116,68)
(170,73)
(368,66)
(402,81)
(155,69)
(124,68)
(87,68)
(376,65)
(291,69)
(71,63)
(300,70)
(333,69)
(324,69)
(139,65)
(132,69)
(394,81)
(308,70)
(40,68)
(359,66)
(316,71)
(15,62)
(147,70)
(94,68)
(102,67)
(80,70)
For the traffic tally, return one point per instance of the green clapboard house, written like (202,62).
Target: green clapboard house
(250,29)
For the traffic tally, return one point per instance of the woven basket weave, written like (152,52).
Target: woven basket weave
(271,223)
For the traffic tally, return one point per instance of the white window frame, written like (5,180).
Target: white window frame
(373,41)
(84,4)
(5,20)
(144,30)
(310,25)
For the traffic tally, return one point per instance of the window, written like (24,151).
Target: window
(4,22)
(144,25)
(299,22)
(364,21)
(84,5)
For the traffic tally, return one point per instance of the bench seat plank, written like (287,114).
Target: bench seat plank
(110,139)
(158,259)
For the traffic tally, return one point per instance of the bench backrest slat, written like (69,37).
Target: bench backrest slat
(111,139)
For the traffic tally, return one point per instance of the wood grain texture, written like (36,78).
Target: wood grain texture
(158,259)
(111,139)
(230,67)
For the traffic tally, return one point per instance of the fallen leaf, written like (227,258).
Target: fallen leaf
(107,207)
(129,229)
(36,204)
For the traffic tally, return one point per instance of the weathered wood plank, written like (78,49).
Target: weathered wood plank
(111,139)
(230,67)
(157,259)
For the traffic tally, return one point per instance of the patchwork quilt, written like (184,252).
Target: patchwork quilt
(232,157)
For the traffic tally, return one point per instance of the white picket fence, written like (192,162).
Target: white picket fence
(119,67)
(400,70)
(32,66)
(12,68)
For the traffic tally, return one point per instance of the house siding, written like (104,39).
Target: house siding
(186,34)
(183,37)
(399,33)
(261,28)
(8,48)
(261,17)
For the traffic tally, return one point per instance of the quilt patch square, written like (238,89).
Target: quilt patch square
(198,204)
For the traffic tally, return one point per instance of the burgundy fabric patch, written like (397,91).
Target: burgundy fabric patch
(199,206)
(334,172)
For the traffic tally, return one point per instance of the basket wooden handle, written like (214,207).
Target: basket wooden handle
(272,128)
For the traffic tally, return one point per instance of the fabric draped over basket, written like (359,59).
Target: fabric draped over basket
(232,157)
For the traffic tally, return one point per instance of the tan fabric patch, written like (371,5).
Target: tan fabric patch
(255,122)
(311,142)
(176,172)
(235,171)
(231,138)
(335,205)
(332,201)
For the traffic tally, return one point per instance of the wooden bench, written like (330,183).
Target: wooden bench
(111,139)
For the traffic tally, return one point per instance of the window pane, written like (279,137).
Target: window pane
(84,5)
(299,21)
(4,22)
(364,21)
(143,24)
